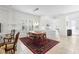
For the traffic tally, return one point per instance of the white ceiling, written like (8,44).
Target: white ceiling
(47,10)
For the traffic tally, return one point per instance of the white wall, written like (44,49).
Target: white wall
(10,17)
(15,19)
(61,24)
(57,25)
(50,31)
(73,22)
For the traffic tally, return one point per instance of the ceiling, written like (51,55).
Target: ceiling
(47,10)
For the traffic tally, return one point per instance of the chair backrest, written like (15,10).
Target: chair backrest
(13,32)
(16,39)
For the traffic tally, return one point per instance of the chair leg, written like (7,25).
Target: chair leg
(5,52)
(10,52)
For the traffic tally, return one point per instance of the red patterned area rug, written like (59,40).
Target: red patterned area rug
(36,49)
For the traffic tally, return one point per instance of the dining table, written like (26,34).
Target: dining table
(37,34)
(2,49)
(38,37)
(4,38)
(1,41)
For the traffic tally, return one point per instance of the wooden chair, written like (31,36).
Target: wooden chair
(10,47)
(9,37)
(12,33)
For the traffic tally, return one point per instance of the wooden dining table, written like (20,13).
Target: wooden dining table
(38,37)
(1,42)
(37,34)
(4,39)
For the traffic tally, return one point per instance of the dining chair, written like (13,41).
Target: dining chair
(10,47)
(9,37)
(12,33)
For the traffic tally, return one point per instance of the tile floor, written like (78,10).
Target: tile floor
(67,45)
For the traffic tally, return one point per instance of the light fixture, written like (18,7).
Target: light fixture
(36,9)
(35,24)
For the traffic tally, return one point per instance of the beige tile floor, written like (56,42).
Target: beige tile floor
(67,45)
